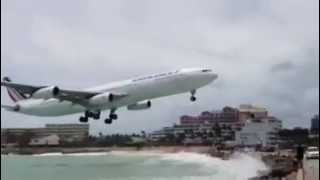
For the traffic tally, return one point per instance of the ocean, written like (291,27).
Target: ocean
(128,166)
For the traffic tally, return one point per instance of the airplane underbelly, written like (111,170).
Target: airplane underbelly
(154,89)
(50,108)
(167,86)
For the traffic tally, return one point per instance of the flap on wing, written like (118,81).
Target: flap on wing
(82,97)
(76,97)
(77,94)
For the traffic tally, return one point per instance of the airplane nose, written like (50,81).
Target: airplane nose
(213,76)
(210,77)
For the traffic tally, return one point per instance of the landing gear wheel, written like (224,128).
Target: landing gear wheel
(108,121)
(88,114)
(96,116)
(113,116)
(193,98)
(83,119)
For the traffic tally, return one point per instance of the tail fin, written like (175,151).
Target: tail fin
(14,95)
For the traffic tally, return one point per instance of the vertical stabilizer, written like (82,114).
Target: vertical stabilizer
(14,94)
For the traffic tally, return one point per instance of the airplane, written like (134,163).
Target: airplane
(135,94)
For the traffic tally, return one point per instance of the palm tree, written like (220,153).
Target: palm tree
(100,134)
(143,134)
(217,130)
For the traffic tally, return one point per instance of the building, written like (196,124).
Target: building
(315,125)
(228,117)
(161,134)
(209,126)
(259,132)
(52,140)
(222,126)
(247,111)
(67,133)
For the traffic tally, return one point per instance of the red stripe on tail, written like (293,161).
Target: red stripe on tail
(15,95)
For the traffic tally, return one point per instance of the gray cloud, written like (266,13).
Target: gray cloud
(266,53)
(283,66)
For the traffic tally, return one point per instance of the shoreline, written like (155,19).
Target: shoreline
(69,150)
(282,163)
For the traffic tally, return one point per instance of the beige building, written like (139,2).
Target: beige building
(248,111)
(67,133)
(52,140)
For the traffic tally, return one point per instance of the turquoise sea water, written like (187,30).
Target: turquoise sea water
(128,166)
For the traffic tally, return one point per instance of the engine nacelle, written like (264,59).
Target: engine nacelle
(101,99)
(140,106)
(46,93)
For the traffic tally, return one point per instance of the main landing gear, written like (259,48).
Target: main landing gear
(83,119)
(193,98)
(93,115)
(89,114)
(112,116)
(96,116)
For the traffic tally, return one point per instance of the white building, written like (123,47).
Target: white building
(256,132)
(52,140)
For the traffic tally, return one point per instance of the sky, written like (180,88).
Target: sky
(266,53)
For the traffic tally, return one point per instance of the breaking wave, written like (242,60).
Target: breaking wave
(71,154)
(238,167)
(191,166)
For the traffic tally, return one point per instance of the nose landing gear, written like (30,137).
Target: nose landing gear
(193,98)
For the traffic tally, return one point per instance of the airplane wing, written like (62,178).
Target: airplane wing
(74,96)
(29,90)
(24,89)
(82,97)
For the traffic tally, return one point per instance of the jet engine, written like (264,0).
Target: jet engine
(101,99)
(46,93)
(140,106)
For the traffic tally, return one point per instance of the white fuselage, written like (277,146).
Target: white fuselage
(139,89)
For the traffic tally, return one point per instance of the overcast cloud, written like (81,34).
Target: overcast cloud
(266,53)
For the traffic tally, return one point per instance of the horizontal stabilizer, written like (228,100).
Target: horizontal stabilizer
(10,108)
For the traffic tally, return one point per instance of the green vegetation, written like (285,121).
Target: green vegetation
(297,136)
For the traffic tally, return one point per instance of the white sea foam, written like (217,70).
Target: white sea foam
(136,153)
(238,167)
(154,165)
(72,154)
(88,154)
(48,154)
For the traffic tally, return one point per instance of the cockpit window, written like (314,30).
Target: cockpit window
(206,70)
